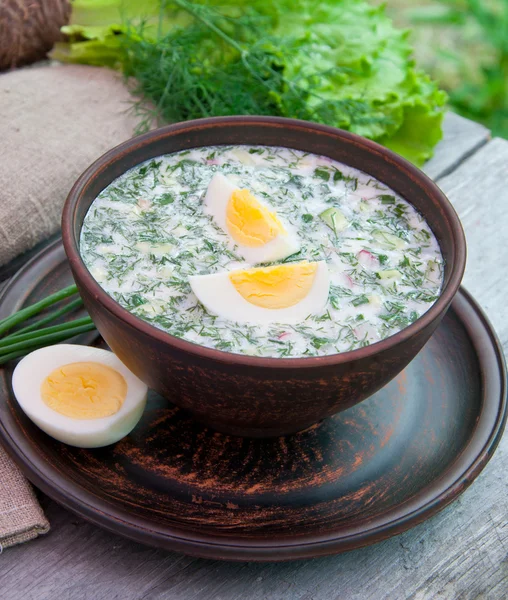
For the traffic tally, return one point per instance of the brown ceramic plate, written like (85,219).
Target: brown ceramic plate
(359,477)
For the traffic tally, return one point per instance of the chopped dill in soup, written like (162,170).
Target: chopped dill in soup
(262,251)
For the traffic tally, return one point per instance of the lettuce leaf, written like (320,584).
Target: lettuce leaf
(370,67)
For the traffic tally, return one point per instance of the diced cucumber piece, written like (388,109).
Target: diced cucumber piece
(388,240)
(335,219)
(389,274)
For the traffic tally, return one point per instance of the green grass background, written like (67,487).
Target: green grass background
(464,45)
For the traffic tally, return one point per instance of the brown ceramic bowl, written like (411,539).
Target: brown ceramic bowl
(245,395)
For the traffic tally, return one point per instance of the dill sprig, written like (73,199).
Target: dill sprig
(220,65)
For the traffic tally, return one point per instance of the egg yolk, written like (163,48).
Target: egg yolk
(275,287)
(84,390)
(249,222)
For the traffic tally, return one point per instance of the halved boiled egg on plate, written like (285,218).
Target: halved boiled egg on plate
(254,227)
(285,293)
(79,395)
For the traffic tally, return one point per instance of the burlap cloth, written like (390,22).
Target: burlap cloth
(54,121)
(21,517)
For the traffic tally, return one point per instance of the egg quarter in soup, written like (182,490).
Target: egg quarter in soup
(286,293)
(258,233)
(80,395)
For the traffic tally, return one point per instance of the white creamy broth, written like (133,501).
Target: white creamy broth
(147,232)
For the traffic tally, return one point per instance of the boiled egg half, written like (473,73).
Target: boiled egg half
(285,293)
(253,226)
(79,395)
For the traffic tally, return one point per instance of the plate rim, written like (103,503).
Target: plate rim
(439,493)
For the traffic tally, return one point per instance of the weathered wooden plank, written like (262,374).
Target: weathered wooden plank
(461,138)
(462,553)
(479,192)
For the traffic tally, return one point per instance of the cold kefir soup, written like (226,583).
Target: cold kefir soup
(262,251)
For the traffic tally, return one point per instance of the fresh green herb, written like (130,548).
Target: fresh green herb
(192,59)
(322,174)
(293,257)
(404,262)
(317,342)
(359,300)
(29,311)
(399,211)
(136,300)
(71,306)
(395,317)
(165,199)
(306,218)
(24,340)
(387,199)
(17,342)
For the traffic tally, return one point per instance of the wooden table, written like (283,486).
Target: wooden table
(460,553)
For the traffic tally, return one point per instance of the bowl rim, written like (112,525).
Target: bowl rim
(71,244)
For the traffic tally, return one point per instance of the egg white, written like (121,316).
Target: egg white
(216,202)
(84,433)
(220,297)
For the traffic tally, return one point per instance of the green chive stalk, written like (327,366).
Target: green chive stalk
(13,339)
(7,357)
(43,340)
(29,311)
(51,317)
